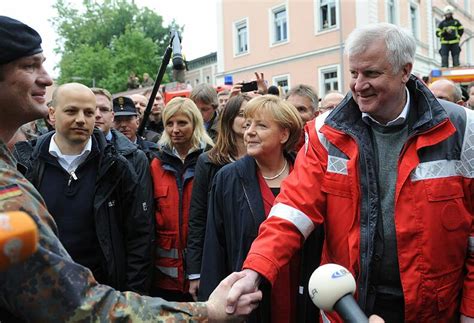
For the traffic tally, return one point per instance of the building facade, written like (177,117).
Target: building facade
(302,41)
(202,70)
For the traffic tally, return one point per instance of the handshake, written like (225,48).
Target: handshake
(238,295)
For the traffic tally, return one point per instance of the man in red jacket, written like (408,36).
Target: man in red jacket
(390,176)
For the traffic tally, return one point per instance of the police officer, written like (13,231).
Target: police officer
(126,121)
(449,31)
(50,286)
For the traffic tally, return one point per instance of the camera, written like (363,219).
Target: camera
(250,86)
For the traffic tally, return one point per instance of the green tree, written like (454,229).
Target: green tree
(105,41)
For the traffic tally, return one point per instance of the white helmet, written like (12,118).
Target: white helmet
(448,10)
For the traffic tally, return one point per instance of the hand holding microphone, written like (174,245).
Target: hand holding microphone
(331,287)
(18,238)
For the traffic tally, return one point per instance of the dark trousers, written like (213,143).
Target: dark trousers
(444,52)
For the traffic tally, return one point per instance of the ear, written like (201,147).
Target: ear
(406,71)
(285,135)
(51,113)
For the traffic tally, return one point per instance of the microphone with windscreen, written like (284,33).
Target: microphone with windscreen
(331,288)
(179,65)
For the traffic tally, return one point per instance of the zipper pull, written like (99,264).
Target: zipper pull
(72,176)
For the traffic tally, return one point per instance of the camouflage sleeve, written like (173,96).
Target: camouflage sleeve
(49,286)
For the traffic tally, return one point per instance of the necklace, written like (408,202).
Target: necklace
(279,173)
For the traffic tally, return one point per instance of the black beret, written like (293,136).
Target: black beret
(17,40)
(124,106)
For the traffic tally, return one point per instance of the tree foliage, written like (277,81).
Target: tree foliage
(105,41)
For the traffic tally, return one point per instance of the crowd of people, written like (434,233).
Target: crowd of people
(155,225)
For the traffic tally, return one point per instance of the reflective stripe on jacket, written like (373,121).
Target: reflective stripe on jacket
(449,31)
(334,183)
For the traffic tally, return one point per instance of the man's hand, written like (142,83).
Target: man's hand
(194,288)
(376,319)
(248,284)
(236,90)
(216,305)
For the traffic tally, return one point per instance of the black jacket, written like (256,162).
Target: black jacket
(123,224)
(235,213)
(204,174)
(149,148)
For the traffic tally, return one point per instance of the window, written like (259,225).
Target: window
(391,12)
(414,20)
(241,37)
(329,79)
(282,81)
(279,25)
(327,14)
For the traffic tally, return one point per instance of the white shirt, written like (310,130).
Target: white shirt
(69,162)
(398,120)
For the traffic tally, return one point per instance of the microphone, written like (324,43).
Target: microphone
(331,288)
(273,90)
(18,238)
(178,61)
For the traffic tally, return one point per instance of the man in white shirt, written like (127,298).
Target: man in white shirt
(92,193)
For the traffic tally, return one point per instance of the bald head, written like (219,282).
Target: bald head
(446,90)
(330,101)
(67,90)
(140,102)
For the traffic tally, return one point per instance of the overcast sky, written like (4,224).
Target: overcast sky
(198,18)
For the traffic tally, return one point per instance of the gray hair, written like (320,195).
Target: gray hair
(305,91)
(400,43)
(457,95)
(204,93)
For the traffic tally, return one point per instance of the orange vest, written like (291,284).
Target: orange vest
(171,215)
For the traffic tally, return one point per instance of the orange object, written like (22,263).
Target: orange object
(18,238)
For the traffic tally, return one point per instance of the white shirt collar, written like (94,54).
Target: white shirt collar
(69,162)
(398,120)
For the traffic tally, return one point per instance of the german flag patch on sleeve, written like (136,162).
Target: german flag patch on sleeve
(9,191)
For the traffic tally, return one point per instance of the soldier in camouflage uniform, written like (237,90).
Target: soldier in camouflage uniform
(50,286)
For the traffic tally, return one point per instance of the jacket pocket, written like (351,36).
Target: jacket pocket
(443,189)
(445,196)
(339,188)
(161,196)
(447,295)
(167,254)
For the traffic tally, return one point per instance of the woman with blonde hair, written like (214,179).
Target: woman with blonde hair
(184,138)
(241,198)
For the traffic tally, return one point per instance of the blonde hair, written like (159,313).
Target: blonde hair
(282,112)
(189,109)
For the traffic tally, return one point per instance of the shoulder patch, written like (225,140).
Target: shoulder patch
(9,191)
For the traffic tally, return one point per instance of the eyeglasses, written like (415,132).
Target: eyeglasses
(326,108)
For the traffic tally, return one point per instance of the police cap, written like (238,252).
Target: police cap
(17,40)
(124,106)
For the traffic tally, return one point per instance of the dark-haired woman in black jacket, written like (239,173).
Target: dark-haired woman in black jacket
(229,147)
